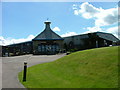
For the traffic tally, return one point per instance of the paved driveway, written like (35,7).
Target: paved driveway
(12,65)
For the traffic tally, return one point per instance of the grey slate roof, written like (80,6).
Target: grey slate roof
(48,34)
(107,36)
(20,43)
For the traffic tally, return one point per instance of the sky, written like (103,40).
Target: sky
(22,21)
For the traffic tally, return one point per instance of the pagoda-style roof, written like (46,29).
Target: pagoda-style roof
(48,34)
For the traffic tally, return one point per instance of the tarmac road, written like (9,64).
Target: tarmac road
(11,66)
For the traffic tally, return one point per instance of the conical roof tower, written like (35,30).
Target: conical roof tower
(48,34)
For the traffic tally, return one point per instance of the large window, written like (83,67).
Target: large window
(48,48)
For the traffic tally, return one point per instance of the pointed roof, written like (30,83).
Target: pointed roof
(48,34)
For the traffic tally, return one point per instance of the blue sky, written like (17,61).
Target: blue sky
(22,21)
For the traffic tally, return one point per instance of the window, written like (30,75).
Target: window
(39,48)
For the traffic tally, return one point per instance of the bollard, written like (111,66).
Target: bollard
(25,71)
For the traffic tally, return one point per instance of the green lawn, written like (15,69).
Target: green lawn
(94,68)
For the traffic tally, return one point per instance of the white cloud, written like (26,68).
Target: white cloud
(68,34)
(8,41)
(107,17)
(76,12)
(88,11)
(56,29)
(101,16)
(92,29)
(114,31)
(74,6)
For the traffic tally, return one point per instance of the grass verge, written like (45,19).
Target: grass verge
(94,68)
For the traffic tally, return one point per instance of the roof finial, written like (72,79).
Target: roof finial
(47,21)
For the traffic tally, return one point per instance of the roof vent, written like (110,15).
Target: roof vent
(47,25)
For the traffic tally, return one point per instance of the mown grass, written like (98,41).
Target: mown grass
(94,68)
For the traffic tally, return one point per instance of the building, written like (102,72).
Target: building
(90,40)
(17,49)
(48,43)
